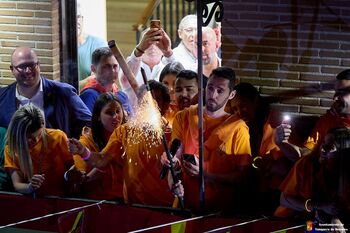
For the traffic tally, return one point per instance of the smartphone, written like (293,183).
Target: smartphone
(155,23)
(286,119)
(189,158)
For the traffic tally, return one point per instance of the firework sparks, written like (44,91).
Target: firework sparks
(146,123)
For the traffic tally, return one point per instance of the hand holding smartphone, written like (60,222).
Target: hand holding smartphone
(155,23)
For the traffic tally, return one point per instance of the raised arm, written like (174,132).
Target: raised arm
(291,151)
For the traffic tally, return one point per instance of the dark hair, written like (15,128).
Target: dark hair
(96,125)
(171,68)
(246,90)
(226,73)
(154,85)
(187,74)
(344,75)
(100,53)
(262,110)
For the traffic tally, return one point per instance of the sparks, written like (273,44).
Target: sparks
(146,122)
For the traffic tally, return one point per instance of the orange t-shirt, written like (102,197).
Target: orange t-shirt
(226,149)
(305,180)
(52,161)
(326,122)
(108,182)
(268,145)
(170,114)
(141,166)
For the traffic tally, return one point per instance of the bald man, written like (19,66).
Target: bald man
(62,107)
(210,58)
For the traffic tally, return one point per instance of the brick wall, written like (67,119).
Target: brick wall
(288,48)
(30,23)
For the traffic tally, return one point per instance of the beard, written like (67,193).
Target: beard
(184,103)
(207,60)
(213,106)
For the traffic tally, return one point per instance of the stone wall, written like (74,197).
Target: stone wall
(34,24)
(288,48)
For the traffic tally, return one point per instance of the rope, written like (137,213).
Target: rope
(286,229)
(171,223)
(236,225)
(53,214)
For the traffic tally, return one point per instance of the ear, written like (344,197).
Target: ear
(232,95)
(180,33)
(93,68)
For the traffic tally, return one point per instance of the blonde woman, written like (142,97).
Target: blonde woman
(36,157)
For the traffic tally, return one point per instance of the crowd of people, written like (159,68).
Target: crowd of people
(64,144)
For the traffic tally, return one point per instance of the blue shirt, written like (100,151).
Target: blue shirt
(90,95)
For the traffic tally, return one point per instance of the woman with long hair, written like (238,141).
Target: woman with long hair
(168,77)
(106,183)
(36,157)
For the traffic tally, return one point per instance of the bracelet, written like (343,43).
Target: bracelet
(254,160)
(306,205)
(65,176)
(140,50)
(87,154)
(30,187)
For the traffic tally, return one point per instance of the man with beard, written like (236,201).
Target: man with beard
(337,116)
(227,154)
(62,107)
(186,88)
(209,52)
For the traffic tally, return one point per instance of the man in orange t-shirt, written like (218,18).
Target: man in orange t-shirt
(227,153)
(337,116)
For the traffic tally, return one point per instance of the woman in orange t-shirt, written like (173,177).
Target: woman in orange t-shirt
(107,183)
(36,157)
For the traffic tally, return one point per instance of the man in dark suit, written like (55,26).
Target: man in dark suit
(62,107)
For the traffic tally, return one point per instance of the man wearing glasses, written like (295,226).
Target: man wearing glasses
(62,107)
(184,52)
